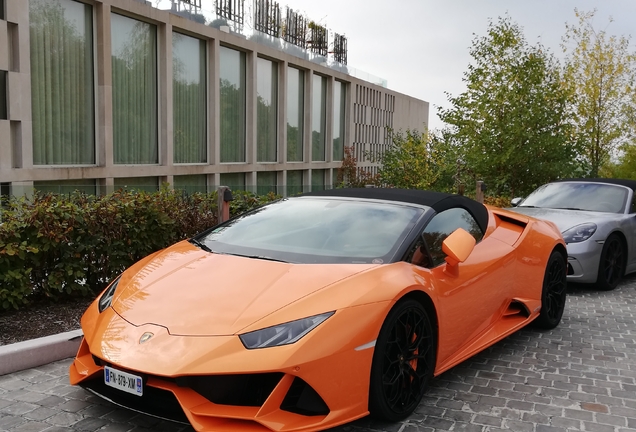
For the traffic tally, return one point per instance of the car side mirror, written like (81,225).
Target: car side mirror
(458,246)
(516,201)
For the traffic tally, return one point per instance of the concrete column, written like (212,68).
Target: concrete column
(282,113)
(164,79)
(348,117)
(214,103)
(19,84)
(6,151)
(104,153)
(329,121)
(250,181)
(250,103)
(309,75)
(5,41)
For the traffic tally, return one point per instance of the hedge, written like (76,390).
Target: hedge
(65,245)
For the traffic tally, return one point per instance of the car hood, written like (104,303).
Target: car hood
(196,293)
(566,219)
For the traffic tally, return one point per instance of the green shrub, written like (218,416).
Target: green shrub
(58,245)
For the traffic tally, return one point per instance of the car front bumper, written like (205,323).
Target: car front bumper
(215,384)
(583,261)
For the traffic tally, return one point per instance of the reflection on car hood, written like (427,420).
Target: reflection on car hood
(196,293)
(566,219)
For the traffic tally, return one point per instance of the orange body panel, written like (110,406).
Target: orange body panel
(195,320)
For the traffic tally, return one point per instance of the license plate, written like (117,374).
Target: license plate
(123,381)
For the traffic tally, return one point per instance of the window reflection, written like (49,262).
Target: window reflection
(579,196)
(317,230)
(189,99)
(266,110)
(338,120)
(134,54)
(444,224)
(232,105)
(295,114)
(62,82)
(319,114)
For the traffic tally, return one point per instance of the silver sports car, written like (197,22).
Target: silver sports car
(597,218)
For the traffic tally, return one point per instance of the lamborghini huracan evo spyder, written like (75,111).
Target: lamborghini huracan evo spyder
(317,310)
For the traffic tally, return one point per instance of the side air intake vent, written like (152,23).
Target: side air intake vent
(302,399)
(512,220)
(517,308)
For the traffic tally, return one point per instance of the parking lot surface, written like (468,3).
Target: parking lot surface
(580,376)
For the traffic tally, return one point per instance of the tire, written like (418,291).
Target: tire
(611,267)
(553,293)
(403,362)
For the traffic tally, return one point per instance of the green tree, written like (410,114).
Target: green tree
(625,167)
(602,70)
(512,122)
(415,161)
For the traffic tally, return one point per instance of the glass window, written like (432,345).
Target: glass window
(295,114)
(189,99)
(146,184)
(590,196)
(442,225)
(62,89)
(317,230)
(235,181)
(134,49)
(232,76)
(266,110)
(339,94)
(265,182)
(319,114)
(86,186)
(317,180)
(4,100)
(191,183)
(294,182)
(2,16)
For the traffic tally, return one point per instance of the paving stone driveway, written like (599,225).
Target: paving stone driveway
(579,377)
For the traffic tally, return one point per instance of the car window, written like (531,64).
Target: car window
(441,226)
(599,197)
(317,230)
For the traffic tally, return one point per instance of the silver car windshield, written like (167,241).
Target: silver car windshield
(317,230)
(579,196)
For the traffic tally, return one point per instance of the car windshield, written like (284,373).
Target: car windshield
(579,196)
(316,230)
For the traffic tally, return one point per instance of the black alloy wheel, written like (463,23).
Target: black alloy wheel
(612,264)
(553,294)
(403,361)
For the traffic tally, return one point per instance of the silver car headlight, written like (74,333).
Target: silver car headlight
(579,233)
(107,298)
(282,334)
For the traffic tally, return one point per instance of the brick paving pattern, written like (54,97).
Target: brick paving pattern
(580,376)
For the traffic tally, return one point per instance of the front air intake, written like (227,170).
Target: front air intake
(302,399)
(240,390)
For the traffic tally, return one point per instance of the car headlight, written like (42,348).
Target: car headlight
(107,298)
(282,334)
(579,233)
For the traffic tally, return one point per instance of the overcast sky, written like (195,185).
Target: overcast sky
(421,46)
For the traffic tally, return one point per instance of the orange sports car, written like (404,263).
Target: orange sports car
(317,310)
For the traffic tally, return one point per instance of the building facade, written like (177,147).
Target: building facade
(103,94)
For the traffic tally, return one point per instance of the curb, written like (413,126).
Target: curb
(37,352)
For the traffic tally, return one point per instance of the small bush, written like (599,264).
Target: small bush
(497,201)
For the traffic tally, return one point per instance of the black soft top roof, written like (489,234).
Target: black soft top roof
(623,182)
(437,200)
